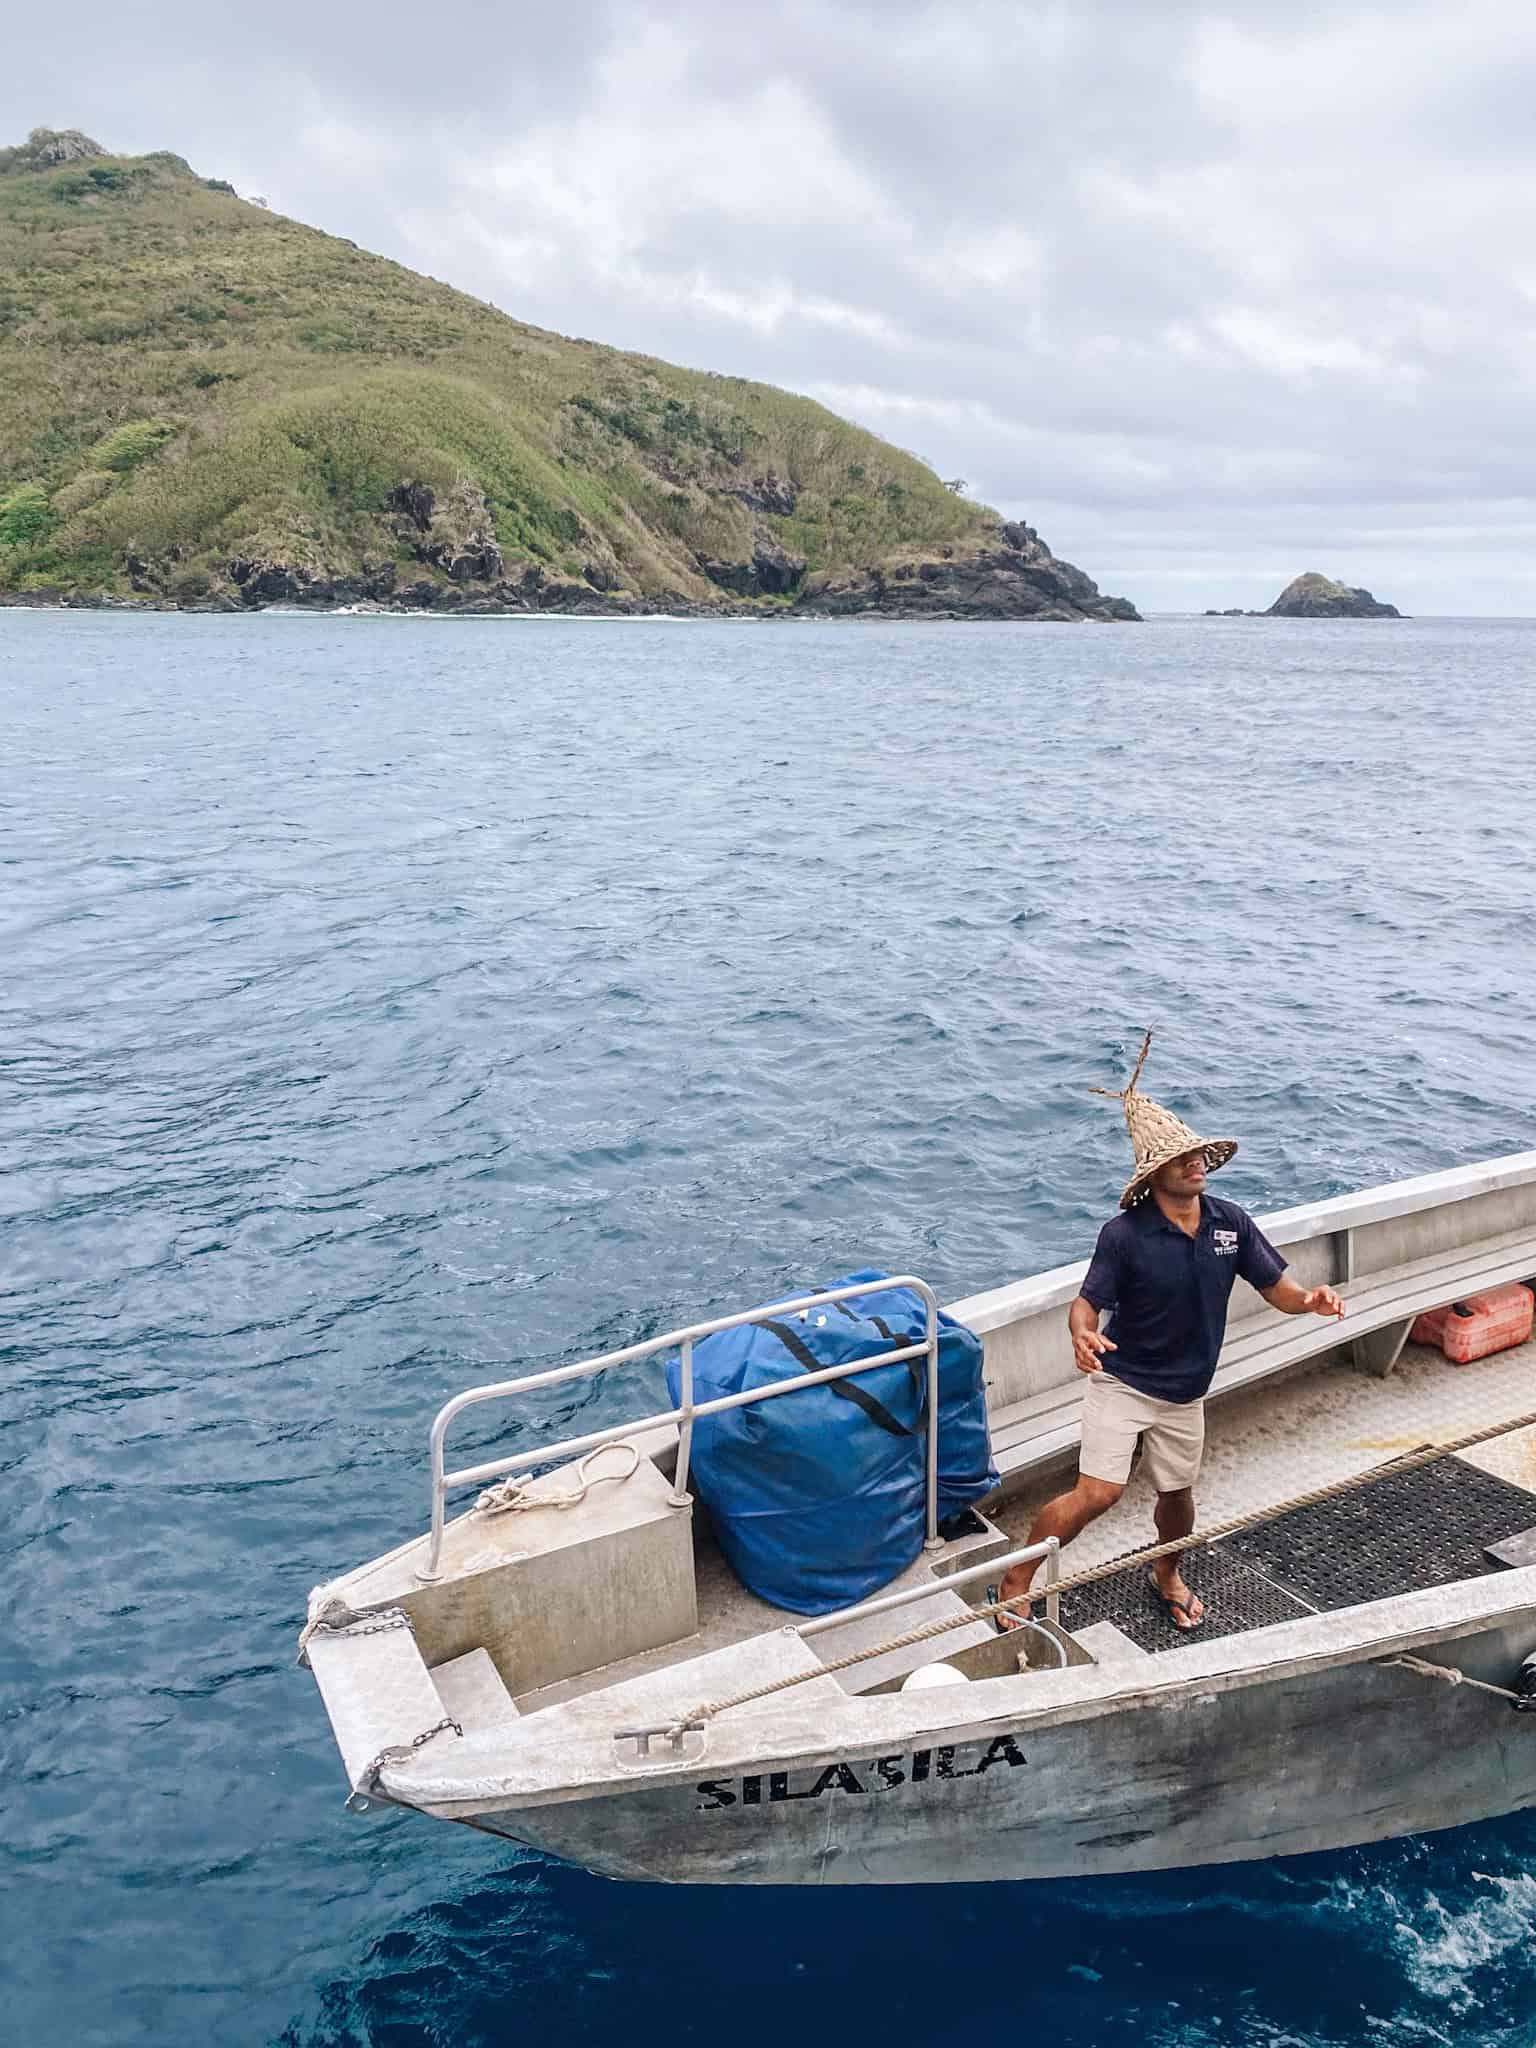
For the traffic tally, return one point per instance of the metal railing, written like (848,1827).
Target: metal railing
(1049,1548)
(687,1410)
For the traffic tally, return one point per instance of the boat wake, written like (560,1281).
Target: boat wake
(1421,1944)
(1444,1954)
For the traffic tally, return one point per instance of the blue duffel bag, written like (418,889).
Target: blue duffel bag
(966,1470)
(817,1498)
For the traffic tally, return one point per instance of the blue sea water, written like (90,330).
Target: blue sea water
(393,1004)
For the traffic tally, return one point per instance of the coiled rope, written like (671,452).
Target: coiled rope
(508,1496)
(927,1631)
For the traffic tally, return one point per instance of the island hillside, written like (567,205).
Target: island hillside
(206,405)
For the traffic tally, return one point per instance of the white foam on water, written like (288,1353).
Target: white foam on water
(1442,1954)
(1399,2028)
(1240,2030)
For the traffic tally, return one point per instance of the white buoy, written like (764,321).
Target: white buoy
(927,1675)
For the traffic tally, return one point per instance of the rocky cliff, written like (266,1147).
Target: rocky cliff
(204,405)
(1010,574)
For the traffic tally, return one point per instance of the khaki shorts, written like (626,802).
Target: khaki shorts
(1115,1415)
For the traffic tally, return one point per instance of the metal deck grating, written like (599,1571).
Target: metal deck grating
(1417,1529)
(1421,1528)
(1237,1598)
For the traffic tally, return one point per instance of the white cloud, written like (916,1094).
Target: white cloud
(1287,349)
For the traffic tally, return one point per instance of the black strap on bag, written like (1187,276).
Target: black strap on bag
(916,1371)
(847,1390)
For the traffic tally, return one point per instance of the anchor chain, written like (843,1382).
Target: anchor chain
(336,1618)
(361,1797)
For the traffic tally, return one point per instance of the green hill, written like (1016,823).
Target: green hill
(205,404)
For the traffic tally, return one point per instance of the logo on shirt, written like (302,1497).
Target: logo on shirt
(1224,1243)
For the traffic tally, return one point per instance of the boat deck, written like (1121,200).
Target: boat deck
(1320,1424)
(1284,1436)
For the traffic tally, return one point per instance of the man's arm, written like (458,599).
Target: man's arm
(1292,1300)
(1100,1290)
(1264,1270)
(1087,1345)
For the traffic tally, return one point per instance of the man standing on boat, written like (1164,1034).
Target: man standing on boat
(1164,1268)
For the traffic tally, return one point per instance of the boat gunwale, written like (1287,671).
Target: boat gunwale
(1365,1633)
(996,1307)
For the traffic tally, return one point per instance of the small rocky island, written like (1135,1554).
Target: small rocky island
(1319,597)
(1316,597)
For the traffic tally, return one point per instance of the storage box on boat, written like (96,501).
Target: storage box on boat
(1479,1325)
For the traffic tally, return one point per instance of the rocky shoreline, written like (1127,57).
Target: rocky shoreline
(1012,575)
(108,601)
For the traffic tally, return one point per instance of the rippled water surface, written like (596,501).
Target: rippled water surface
(392,1003)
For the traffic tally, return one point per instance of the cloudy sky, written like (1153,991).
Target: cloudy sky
(1209,294)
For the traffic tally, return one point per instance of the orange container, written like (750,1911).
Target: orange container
(1479,1325)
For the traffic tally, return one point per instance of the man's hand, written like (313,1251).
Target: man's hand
(1292,1300)
(1087,1347)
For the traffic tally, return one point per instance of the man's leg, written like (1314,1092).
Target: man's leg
(1175,1517)
(1065,1517)
(1175,1447)
(1110,1430)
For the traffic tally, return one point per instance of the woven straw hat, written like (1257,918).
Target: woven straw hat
(1157,1135)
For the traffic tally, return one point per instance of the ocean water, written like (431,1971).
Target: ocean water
(392,1004)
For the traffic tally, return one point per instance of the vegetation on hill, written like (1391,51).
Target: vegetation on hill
(204,403)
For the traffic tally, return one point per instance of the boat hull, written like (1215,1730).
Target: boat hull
(1357,1752)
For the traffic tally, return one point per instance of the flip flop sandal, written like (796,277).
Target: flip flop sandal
(1171,1607)
(1006,1622)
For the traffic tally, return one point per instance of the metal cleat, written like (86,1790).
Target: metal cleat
(683,1742)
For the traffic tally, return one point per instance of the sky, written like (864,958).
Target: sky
(1209,294)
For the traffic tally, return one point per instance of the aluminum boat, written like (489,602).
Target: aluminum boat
(570,1663)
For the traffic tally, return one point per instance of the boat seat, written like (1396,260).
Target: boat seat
(877,1628)
(1031,1433)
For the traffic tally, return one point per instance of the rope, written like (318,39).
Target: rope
(1091,1576)
(511,1496)
(1454,1677)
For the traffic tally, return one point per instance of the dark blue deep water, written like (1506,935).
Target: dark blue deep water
(391,1004)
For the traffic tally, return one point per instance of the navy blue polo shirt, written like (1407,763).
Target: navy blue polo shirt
(1168,1292)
